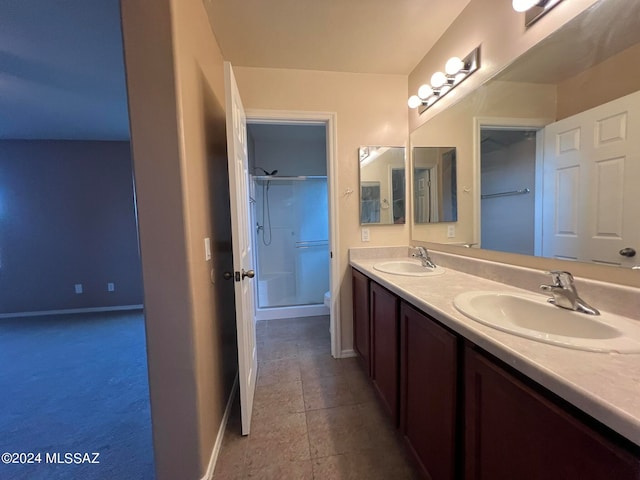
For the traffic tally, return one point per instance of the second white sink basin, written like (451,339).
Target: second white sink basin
(407,267)
(531,316)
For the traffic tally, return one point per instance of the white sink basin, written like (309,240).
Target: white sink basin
(409,268)
(531,316)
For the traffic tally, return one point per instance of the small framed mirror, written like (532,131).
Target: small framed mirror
(382,185)
(435,193)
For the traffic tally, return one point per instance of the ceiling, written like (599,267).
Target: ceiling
(62,69)
(362,36)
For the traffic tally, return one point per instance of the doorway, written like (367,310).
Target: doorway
(508,181)
(291,160)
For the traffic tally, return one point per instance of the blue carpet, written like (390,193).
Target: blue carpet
(76,383)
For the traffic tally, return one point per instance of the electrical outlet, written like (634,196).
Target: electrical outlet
(451,231)
(111,287)
(78,287)
(364,234)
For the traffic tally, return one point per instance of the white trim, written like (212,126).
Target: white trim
(330,119)
(504,123)
(217,446)
(292,312)
(348,353)
(72,310)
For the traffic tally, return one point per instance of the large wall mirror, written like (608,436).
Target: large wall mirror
(382,185)
(549,149)
(435,188)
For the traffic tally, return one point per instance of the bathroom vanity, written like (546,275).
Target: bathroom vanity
(475,402)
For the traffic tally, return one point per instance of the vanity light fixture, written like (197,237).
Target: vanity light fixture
(534,9)
(455,71)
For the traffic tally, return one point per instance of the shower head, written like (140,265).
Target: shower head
(270,174)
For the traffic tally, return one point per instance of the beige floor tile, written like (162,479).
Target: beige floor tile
(278,371)
(366,464)
(231,459)
(314,417)
(327,392)
(276,399)
(318,366)
(271,349)
(298,470)
(336,430)
(277,440)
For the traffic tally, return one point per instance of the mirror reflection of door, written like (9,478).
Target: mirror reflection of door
(507,178)
(398,194)
(426,195)
(370,202)
(435,185)
(590,197)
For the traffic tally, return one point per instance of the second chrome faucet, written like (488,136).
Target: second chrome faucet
(564,294)
(423,255)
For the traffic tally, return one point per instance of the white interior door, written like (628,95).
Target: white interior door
(591,161)
(242,256)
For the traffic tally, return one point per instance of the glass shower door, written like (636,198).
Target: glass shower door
(292,245)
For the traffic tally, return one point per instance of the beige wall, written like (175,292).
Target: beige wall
(611,79)
(371,110)
(176,92)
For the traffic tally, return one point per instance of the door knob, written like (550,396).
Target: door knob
(628,252)
(227,275)
(248,273)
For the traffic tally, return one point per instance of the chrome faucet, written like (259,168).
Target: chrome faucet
(565,295)
(424,257)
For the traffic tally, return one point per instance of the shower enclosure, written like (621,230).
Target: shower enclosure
(291,244)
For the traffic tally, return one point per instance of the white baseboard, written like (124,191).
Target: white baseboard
(71,310)
(348,353)
(291,312)
(223,427)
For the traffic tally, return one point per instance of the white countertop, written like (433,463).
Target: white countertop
(605,386)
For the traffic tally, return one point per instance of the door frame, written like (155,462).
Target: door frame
(293,117)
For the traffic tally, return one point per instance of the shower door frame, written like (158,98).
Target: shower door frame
(329,119)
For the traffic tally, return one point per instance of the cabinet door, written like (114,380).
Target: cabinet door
(513,432)
(384,347)
(361,322)
(428,397)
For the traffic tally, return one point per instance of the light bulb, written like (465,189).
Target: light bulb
(459,78)
(414,101)
(431,100)
(425,91)
(438,79)
(453,66)
(444,90)
(524,5)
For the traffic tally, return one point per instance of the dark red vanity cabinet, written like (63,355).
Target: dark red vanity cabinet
(428,393)
(384,307)
(361,319)
(514,432)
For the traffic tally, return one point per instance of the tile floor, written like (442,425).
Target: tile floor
(314,417)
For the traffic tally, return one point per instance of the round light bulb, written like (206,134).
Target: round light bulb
(444,90)
(438,79)
(524,5)
(432,100)
(414,101)
(453,66)
(425,91)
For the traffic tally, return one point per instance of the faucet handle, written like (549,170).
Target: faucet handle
(561,278)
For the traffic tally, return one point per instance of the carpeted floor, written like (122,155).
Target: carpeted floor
(75,384)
